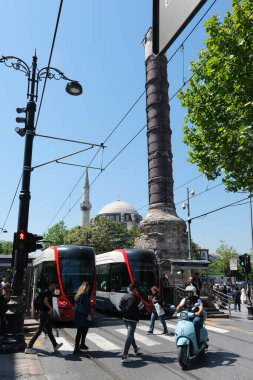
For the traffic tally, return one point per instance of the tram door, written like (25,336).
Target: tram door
(119,283)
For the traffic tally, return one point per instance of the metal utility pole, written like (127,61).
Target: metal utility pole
(189,226)
(14,337)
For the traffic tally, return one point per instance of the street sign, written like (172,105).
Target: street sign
(233,264)
(170,17)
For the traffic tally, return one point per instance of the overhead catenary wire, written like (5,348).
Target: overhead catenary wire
(49,61)
(174,95)
(12,202)
(130,109)
(218,209)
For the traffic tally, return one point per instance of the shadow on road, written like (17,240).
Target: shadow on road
(214,359)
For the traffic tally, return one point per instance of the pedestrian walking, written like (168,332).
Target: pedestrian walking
(243,296)
(82,317)
(157,311)
(237,299)
(45,321)
(131,307)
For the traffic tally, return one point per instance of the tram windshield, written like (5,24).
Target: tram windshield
(75,267)
(145,274)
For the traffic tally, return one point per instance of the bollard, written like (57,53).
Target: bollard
(250,312)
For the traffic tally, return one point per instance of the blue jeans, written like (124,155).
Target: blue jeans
(152,322)
(198,323)
(131,326)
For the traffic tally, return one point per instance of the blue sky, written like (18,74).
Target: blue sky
(99,44)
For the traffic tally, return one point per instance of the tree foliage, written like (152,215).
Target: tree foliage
(219,100)
(5,248)
(56,233)
(104,235)
(222,265)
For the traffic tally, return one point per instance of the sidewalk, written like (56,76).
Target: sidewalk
(19,365)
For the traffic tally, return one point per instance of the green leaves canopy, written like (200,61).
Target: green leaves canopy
(219,100)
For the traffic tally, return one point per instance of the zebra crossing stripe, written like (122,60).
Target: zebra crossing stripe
(209,328)
(66,348)
(159,334)
(101,342)
(140,338)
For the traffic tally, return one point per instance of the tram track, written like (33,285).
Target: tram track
(155,358)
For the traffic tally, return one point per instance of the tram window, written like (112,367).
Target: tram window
(48,274)
(103,278)
(120,279)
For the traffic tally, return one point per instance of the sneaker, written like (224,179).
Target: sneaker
(77,351)
(137,351)
(165,333)
(56,348)
(30,350)
(84,347)
(150,332)
(126,359)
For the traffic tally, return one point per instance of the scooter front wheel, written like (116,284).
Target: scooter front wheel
(183,358)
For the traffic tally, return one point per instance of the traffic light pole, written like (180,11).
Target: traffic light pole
(15,339)
(14,336)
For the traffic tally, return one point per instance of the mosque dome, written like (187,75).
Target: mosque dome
(118,206)
(120,211)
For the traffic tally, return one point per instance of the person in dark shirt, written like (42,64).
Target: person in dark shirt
(131,306)
(45,322)
(237,299)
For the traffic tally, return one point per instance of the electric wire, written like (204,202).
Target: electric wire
(130,109)
(170,99)
(108,164)
(202,192)
(218,209)
(49,61)
(12,202)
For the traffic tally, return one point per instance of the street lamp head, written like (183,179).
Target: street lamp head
(20,131)
(183,206)
(74,88)
(192,192)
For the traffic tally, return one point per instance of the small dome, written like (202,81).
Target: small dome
(118,207)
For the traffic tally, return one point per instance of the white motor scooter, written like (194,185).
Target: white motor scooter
(185,337)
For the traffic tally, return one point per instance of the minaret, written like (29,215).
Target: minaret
(86,205)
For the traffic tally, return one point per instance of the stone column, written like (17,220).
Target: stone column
(162,230)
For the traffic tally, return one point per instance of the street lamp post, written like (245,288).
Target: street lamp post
(14,337)
(187,205)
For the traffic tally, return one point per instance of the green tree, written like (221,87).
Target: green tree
(104,235)
(79,235)
(219,100)
(5,248)
(222,265)
(56,233)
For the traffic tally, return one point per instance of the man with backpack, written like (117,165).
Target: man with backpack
(131,306)
(44,304)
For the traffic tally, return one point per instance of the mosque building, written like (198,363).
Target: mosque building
(119,211)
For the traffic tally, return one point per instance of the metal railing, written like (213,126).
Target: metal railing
(221,301)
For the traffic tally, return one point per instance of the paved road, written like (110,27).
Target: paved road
(229,355)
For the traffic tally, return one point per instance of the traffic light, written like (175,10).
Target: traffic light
(247,264)
(33,244)
(20,240)
(242,261)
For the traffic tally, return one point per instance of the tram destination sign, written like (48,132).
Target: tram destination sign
(170,17)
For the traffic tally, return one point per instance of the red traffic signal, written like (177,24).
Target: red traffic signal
(21,236)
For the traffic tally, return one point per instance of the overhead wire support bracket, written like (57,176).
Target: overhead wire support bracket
(69,140)
(61,158)
(80,166)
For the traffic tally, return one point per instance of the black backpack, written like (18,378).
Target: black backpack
(38,301)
